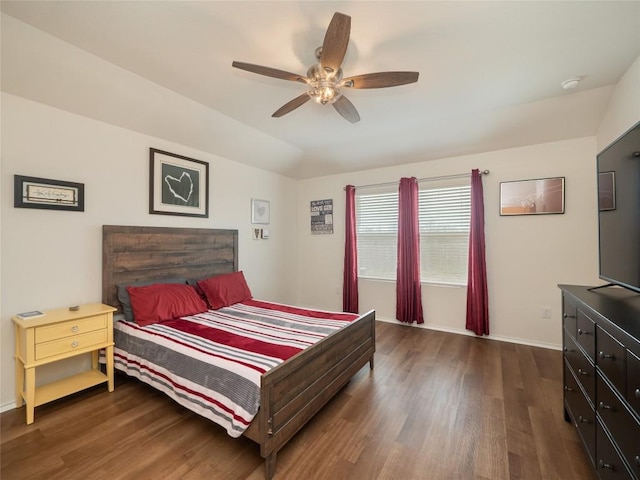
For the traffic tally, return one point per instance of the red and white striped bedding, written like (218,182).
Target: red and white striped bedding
(212,362)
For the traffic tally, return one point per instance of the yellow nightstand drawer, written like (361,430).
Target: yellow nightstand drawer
(72,327)
(70,344)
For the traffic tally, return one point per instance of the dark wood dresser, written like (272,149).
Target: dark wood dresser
(601,355)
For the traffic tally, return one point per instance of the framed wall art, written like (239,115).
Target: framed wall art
(178,185)
(321,216)
(260,211)
(45,193)
(532,197)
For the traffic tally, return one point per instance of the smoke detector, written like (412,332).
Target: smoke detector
(571,83)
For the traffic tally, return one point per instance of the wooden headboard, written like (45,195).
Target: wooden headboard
(132,254)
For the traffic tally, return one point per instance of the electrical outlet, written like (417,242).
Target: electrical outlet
(546,312)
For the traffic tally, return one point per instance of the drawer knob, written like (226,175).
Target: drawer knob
(580,331)
(568,389)
(637,459)
(605,407)
(582,419)
(566,315)
(582,372)
(637,392)
(74,344)
(607,355)
(74,329)
(606,465)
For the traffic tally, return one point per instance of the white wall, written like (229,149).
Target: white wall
(623,109)
(527,256)
(53,259)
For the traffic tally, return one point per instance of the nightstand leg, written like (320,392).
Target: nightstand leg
(30,380)
(109,355)
(19,382)
(94,359)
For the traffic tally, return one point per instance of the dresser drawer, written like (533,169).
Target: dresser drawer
(582,368)
(586,334)
(70,344)
(611,359)
(569,316)
(633,382)
(620,422)
(581,412)
(70,327)
(609,464)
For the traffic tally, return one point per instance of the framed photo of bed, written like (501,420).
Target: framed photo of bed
(532,197)
(178,185)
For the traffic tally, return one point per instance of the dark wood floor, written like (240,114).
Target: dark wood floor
(437,406)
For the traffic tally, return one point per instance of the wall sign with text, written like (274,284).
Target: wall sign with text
(321,217)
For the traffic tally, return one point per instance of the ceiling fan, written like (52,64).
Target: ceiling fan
(324,79)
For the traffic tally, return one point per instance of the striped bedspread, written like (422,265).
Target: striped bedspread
(212,362)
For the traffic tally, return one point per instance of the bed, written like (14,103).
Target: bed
(291,392)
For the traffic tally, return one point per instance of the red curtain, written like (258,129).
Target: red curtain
(408,288)
(477,298)
(350,275)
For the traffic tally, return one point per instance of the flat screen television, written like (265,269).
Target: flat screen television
(619,211)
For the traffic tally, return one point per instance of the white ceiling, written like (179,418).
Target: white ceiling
(490,73)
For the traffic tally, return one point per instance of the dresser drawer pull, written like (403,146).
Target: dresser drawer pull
(74,344)
(566,315)
(583,372)
(582,419)
(606,355)
(74,329)
(605,407)
(583,332)
(637,459)
(637,392)
(606,465)
(568,389)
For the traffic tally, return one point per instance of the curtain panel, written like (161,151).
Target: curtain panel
(408,287)
(350,273)
(477,297)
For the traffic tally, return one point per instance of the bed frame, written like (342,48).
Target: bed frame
(292,393)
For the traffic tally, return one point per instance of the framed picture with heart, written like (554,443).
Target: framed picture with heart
(260,213)
(178,185)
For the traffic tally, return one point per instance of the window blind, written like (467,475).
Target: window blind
(444,218)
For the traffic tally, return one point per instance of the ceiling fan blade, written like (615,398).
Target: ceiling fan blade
(380,80)
(292,105)
(346,109)
(270,72)
(335,42)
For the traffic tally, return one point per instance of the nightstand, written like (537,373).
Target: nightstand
(57,335)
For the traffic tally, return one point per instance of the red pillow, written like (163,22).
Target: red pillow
(225,290)
(164,301)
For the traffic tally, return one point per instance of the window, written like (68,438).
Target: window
(377,234)
(445,213)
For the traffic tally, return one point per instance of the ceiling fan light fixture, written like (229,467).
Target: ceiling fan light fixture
(323,84)
(324,94)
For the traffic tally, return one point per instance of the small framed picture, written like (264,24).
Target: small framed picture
(260,213)
(178,185)
(35,192)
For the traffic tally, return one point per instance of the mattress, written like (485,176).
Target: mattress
(212,363)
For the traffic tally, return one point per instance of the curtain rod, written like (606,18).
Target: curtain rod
(426,179)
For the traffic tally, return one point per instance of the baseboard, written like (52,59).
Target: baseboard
(7,406)
(461,331)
